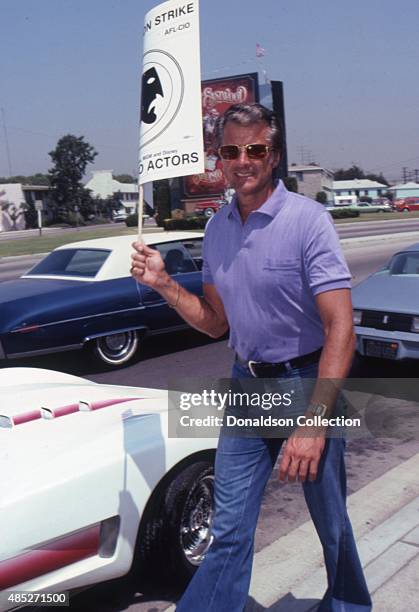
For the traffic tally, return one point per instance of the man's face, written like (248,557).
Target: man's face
(249,176)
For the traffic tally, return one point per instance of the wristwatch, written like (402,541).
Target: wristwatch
(318,410)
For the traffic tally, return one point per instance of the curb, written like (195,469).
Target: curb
(284,567)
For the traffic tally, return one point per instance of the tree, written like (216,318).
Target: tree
(291,184)
(34,179)
(70,158)
(31,215)
(355,172)
(321,197)
(106,206)
(125,178)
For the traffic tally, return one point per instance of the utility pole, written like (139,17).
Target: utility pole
(416,171)
(404,174)
(6,140)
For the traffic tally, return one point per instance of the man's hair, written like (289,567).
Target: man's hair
(247,114)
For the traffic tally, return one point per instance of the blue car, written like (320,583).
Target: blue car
(82,295)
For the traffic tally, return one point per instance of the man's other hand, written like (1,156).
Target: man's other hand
(301,456)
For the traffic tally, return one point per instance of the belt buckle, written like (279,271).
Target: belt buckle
(250,365)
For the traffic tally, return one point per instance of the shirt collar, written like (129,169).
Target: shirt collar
(271,207)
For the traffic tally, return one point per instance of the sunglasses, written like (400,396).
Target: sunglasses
(253,151)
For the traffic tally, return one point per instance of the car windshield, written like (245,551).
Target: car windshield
(71,262)
(404,263)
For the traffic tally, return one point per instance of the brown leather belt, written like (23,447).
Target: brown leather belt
(263,369)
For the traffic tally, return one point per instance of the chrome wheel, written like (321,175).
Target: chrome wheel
(196,521)
(117,349)
(209,212)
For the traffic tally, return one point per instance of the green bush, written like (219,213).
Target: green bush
(344,213)
(31,216)
(190,223)
(321,196)
(132,220)
(291,183)
(75,218)
(98,221)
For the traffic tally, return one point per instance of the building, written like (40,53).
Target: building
(311,179)
(13,198)
(405,190)
(103,185)
(345,191)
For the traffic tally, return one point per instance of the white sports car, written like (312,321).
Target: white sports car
(89,476)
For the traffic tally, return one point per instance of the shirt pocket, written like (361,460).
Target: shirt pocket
(284,266)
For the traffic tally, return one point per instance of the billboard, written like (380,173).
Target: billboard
(217,96)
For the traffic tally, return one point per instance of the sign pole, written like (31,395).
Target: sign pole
(140,212)
(39,207)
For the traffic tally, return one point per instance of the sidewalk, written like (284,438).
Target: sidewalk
(289,575)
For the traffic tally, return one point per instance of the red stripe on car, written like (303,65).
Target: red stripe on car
(64,410)
(25,417)
(105,403)
(34,563)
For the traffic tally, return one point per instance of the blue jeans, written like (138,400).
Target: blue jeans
(242,468)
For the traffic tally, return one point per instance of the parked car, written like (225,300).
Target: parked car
(386,309)
(209,207)
(407,204)
(82,295)
(91,478)
(366,207)
(119,215)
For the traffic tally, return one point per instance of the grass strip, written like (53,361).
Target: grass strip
(45,243)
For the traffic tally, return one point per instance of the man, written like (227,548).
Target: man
(274,275)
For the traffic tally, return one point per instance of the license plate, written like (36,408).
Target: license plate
(378,348)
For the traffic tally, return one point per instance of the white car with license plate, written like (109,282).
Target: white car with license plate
(89,478)
(386,309)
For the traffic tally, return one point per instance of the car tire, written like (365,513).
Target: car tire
(209,212)
(405,210)
(175,531)
(115,349)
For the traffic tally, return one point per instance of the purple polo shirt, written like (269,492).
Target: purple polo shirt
(268,271)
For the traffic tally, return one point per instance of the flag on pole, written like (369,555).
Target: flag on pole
(171,139)
(260,51)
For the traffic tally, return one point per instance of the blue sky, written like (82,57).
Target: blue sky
(350,73)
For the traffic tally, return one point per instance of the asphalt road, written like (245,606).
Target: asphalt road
(12,267)
(369,228)
(181,354)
